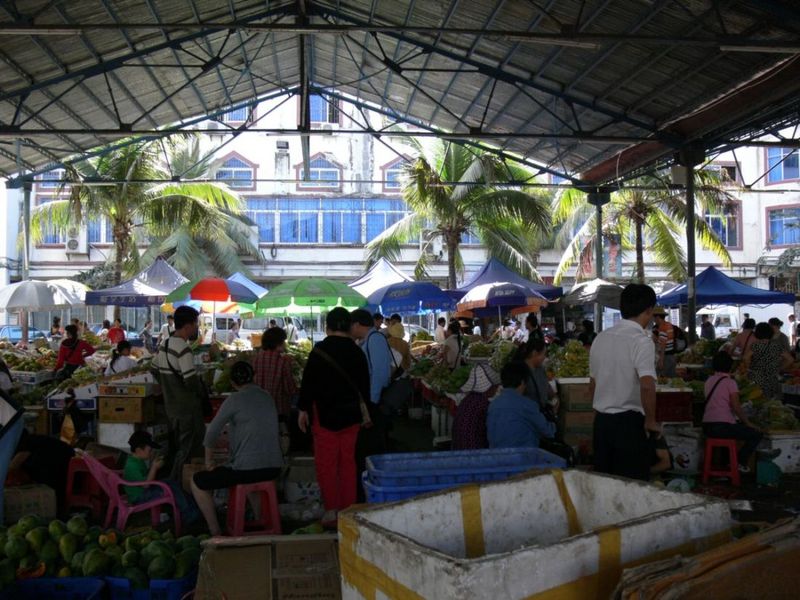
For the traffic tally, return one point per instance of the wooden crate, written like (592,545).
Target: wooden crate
(127,410)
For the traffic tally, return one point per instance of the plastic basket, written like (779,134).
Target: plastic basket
(376,493)
(62,588)
(160,589)
(421,469)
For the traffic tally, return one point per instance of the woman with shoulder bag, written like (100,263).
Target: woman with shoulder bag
(71,354)
(333,390)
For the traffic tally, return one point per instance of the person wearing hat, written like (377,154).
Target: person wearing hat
(671,340)
(167,329)
(143,464)
(781,339)
(398,344)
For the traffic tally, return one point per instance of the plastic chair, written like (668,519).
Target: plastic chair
(732,471)
(83,491)
(110,482)
(269,522)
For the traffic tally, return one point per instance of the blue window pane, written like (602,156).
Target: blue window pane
(321,163)
(784,226)
(352,228)
(790,167)
(266,226)
(235,163)
(93,231)
(308,228)
(50,179)
(781,171)
(323,110)
(375,225)
(332,227)
(392,178)
(109,233)
(238,115)
(289,227)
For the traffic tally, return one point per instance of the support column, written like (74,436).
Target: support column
(689,158)
(598,199)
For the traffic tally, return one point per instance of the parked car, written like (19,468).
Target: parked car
(258,325)
(13,333)
(412,329)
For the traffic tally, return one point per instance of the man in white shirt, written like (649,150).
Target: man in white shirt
(166,330)
(623,387)
(440,333)
(291,331)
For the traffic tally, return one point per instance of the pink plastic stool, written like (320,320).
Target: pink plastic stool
(732,471)
(83,491)
(270,521)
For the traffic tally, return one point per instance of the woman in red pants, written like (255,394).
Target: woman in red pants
(333,390)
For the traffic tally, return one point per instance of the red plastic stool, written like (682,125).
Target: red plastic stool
(733,464)
(82,489)
(270,521)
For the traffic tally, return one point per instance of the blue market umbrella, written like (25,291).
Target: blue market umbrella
(501,295)
(410,298)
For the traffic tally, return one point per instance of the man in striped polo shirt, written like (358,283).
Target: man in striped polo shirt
(182,389)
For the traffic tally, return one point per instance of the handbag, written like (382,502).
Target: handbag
(396,395)
(366,420)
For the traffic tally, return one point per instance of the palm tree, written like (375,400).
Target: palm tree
(197,226)
(650,211)
(453,191)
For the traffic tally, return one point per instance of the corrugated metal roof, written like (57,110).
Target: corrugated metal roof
(624,68)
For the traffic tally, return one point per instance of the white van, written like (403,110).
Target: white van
(730,318)
(223,327)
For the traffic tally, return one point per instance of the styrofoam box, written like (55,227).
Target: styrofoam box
(559,534)
(117,435)
(789,444)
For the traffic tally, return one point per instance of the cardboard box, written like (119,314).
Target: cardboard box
(36,499)
(116,435)
(574,394)
(687,444)
(300,485)
(125,389)
(127,410)
(266,567)
(576,422)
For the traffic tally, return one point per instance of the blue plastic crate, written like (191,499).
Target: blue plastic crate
(160,589)
(376,493)
(62,588)
(423,469)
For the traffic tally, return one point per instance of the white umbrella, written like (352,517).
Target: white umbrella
(34,295)
(597,290)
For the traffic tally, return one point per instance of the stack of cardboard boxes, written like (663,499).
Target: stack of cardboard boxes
(575,414)
(124,408)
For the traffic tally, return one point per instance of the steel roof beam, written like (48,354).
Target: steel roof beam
(396,53)
(210,51)
(510,78)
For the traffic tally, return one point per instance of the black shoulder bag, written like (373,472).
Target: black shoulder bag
(366,421)
(396,395)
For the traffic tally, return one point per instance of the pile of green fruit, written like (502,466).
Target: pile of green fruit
(421,367)
(480,350)
(423,336)
(34,548)
(443,380)
(503,353)
(299,353)
(572,361)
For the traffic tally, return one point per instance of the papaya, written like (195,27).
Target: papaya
(132,543)
(107,539)
(186,561)
(49,552)
(92,534)
(15,530)
(78,526)
(96,563)
(57,529)
(137,577)
(188,541)
(117,570)
(3,540)
(76,564)
(28,562)
(68,546)
(130,558)
(36,538)
(161,567)
(16,547)
(115,553)
(156,549)
(28,522)
(64,572)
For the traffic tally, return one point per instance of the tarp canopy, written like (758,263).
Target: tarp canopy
(714,287)
(597,290)
(148,288)
(494,272)
(381,274)
(410,298)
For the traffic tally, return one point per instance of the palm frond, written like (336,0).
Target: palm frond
(388,244)
(572,253)
(665,245)
(52,217)
(510,246)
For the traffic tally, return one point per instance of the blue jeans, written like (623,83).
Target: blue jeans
(186,504)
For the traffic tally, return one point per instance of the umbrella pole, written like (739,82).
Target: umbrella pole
(312,325)
(499,318)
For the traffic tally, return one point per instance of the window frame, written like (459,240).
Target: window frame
(396,164)
(51,190)
(332,104)
(309,186)
(249,112)
(768,237)
(737,214)
(220,165)
(767,172)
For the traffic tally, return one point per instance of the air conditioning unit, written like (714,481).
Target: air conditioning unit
(77,242)
(327,127)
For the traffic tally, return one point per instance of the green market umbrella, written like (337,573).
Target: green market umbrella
(302,296)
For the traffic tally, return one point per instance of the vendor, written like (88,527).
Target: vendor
(744,339)
(399,345)
(440,334)
(71,354)
(780,338)
(723,409)
(537,388)
(44,460)
(513,420)
(116,333)
(273,370)
(765,360)
(55,328)
(121,360)
(453,345)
